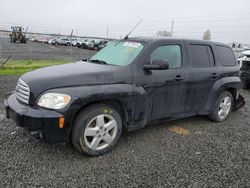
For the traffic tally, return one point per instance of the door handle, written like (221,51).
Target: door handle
(214,75)
(179,78)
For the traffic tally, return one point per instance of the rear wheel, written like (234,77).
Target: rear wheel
(96,130)
(223,107)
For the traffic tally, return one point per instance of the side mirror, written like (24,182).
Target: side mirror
(157,64)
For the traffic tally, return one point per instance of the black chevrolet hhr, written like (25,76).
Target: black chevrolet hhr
(125,86)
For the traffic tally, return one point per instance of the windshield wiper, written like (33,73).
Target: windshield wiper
(98,61)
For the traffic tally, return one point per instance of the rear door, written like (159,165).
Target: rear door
(203,74)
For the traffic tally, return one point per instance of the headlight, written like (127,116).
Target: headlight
(53,100)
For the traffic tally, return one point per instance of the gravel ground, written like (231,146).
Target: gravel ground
(209,155)
(33,50)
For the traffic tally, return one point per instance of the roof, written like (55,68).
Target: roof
(154,39)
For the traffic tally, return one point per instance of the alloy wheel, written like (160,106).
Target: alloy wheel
(100,132)
(224,107)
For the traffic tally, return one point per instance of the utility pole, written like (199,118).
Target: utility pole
(71,42)
(107,32)
(1,52)
(172,28)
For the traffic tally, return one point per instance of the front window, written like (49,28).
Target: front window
(119,53)
(170,53)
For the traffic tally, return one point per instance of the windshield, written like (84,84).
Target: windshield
(119,53)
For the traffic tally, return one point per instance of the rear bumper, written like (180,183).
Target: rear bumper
(239,103)
(40,122)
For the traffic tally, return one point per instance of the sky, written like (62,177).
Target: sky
(228,20)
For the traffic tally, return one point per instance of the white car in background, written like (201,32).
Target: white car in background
(52,40)
(85,43)
(74,41)
(244,57)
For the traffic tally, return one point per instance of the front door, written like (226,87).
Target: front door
(166,90)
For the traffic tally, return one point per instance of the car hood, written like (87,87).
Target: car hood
(75,74)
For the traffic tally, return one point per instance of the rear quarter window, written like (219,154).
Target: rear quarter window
(225,56)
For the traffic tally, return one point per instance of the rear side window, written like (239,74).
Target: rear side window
(201,56)
(171,53)
(226,56)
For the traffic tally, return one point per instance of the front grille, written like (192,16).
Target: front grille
(245,65)
(22,92)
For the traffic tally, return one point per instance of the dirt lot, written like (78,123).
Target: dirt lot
(33,50)
(208,155)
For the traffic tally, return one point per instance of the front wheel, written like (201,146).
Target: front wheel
(96,130)
(223,107)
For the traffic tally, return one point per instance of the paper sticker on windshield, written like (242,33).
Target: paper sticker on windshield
(132,44)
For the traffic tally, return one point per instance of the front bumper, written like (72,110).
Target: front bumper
(43,122)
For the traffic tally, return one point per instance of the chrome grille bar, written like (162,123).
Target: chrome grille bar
(22,92)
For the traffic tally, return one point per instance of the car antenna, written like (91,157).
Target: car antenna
(126,37)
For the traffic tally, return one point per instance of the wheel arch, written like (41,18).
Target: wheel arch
(230,84)
(233,91)
(120,97)
(116,104)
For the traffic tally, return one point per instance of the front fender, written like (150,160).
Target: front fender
(82,96)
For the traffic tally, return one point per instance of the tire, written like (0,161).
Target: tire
(68,44)
(101,138)
(56,43)
(223,107)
